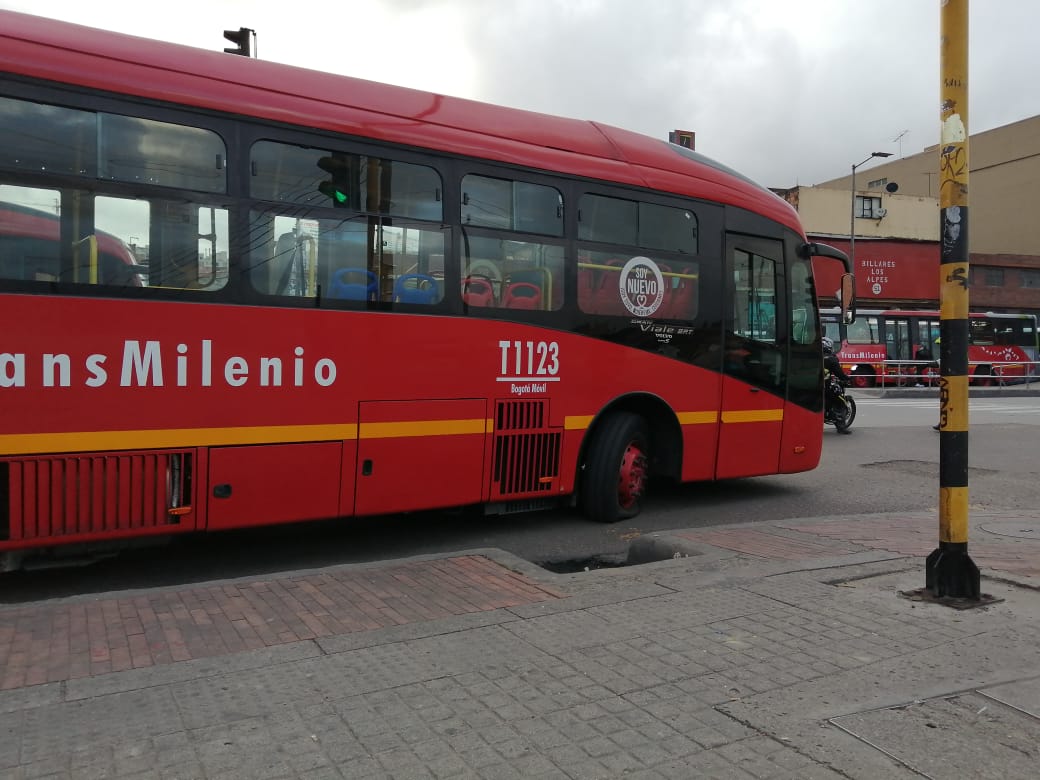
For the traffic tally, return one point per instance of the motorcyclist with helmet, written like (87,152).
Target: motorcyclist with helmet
(831,364)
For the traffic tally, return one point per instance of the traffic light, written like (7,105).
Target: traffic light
(337,188)
(243,40)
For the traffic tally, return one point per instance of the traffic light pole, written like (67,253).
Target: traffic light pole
(949,571)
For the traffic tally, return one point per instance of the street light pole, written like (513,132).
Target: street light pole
(852,213)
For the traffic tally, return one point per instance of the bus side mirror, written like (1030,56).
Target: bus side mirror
(848,298)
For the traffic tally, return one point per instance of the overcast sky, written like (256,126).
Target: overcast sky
(786,91)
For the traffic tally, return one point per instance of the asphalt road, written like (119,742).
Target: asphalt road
(889,463)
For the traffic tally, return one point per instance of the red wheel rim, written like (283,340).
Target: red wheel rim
(632,476)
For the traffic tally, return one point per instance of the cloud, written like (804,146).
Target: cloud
(786,92)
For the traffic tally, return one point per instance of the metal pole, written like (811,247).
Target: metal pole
(852,211)
(949,571)
(852,222)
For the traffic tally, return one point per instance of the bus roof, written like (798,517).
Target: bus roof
(96,59)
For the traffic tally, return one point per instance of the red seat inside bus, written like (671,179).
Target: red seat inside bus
(522,295)
(478,291)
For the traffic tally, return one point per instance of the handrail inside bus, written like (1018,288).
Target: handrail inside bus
(601,267)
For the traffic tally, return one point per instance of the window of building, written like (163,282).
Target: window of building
(876,184)
(1029,278)
(868,207)
(993,277)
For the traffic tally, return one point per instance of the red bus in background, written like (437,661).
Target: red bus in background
(29,250)
(900,347)
(363,300)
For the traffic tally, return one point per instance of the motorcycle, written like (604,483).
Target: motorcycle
(839,406)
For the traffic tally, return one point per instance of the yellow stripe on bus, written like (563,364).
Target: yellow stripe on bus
(753,415)
(395,430)
(93,441)
(80,441)
(578,422)
(171,438)
(697,418)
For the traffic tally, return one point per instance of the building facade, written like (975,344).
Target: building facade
(894,216)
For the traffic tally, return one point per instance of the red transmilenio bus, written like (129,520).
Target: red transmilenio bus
(357,299)
(885,346)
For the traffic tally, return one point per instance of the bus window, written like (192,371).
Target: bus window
(356,259)
(512,205)
(39,137)
(832,330)
(667,228)
(619,221)
(898,339)
(411,263)
(655,287)
(804,371)
(173,244)
(511,274)
(754,306)
(981,332)
(44,242)
(144,151)
(608,220)
(30,233)
(752,351)
(306,176)
(863,331)
(294,256)
(357,256)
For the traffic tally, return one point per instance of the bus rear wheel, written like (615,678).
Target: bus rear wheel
(617,468)
(862,377)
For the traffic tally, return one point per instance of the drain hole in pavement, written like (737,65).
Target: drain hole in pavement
(572,565)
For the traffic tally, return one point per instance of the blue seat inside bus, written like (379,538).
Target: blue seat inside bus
(416,288)
(354,284)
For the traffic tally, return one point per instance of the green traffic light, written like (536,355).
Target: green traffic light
(330,190)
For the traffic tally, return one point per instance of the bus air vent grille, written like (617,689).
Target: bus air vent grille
(520,415)
(93,496)
(527,456)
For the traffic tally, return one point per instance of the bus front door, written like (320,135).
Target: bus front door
(752,410)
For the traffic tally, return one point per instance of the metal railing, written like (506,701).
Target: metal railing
(915,373)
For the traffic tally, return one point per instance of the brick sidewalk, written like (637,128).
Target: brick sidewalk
(914,535)
(70,640)
(720,665)
(918,535)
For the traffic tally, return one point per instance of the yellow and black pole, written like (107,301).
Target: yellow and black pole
(949,571)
